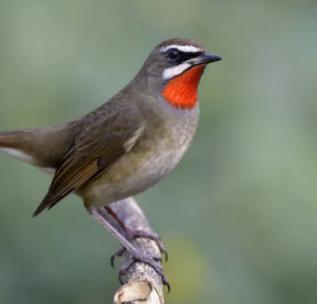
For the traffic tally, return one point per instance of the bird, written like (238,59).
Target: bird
(126,145)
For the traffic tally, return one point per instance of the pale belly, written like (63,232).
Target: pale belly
(136,171)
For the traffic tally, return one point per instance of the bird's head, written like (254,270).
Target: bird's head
(175,66)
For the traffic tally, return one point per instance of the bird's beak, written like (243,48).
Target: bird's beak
(205,58)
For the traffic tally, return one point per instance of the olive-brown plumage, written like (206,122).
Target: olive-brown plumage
(127,144)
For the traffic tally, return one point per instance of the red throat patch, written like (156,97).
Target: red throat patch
(182,91)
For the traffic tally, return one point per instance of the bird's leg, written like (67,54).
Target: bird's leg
(133,234)
(102,216)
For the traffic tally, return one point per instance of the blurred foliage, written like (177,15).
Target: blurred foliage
(246,191)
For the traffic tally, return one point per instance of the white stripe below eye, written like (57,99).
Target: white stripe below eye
(174,71)
(182,48)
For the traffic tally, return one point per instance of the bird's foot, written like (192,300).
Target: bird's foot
(118,254)
(138,256)
(135,253)
(135,234)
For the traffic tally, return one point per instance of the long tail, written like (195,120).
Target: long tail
(11,143)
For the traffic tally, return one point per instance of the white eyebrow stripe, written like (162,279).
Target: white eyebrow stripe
(174,71)
(182,48)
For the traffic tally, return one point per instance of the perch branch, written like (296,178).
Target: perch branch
(141,284)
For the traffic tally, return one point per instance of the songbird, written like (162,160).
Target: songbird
(125,145)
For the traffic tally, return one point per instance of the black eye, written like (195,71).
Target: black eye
(173,55)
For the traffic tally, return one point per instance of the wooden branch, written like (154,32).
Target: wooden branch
(141,284)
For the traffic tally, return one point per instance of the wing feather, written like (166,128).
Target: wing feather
(95,149)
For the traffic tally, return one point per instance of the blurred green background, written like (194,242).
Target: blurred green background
(239,215)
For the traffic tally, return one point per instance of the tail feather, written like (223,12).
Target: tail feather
(10,144)
(9,139)
(43,147)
